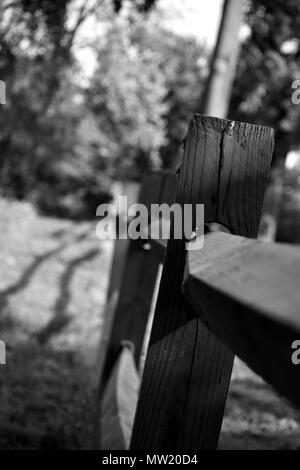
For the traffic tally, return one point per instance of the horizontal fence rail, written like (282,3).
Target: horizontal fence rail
(257,285)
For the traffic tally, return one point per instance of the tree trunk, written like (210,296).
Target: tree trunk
(224,60)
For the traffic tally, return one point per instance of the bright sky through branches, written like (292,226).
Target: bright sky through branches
(198,18)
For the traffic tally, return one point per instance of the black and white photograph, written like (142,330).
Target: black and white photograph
(149,228)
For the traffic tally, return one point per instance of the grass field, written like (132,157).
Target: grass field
(53,280)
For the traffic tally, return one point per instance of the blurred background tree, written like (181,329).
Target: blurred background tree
(63,141)
(269,63)
(64,138)
(127,98)
(262,93)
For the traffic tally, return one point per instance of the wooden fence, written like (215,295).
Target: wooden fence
(237,295)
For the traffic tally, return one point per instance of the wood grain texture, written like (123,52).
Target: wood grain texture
(129,319)
(161,226)
(264,276)
(187,370)
(119,402)
(257,285)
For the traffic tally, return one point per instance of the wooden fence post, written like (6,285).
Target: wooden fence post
(130,308)
(187,370)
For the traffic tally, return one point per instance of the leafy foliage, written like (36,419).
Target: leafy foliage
(289,211)
(127,98)
(62,142)
(269,63)
(262,93)
(151,97)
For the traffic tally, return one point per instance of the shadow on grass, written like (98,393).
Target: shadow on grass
(61,318)
(29,272)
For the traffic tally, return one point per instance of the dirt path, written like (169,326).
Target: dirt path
(53,281)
